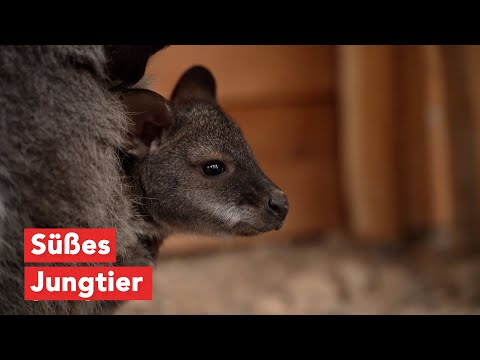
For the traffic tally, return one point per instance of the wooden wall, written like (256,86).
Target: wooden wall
(284,99)
(395,155)
(409,129)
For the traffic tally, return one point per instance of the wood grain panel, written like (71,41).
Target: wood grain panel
(438,148)
(367,88)
(472,58)
(462,138)
(414,178)
(249,73)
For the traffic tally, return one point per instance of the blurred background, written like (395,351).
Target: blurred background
(376,149)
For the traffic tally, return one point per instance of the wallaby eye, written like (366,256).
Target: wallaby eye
(213,168)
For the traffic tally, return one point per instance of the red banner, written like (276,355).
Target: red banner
(69,245)
(88,283)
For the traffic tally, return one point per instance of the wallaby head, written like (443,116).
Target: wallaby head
(194,169)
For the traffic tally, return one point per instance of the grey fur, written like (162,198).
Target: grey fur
(61,128)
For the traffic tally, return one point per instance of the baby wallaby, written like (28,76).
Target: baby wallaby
(191,169)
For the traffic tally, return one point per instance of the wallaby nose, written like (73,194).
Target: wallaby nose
(278,202)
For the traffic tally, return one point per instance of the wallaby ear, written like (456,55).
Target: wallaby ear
(127,63)
(197,83)
(150,116)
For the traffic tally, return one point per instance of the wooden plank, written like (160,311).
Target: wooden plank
(472,53)
(438,147)
(462,141)
(367,112)
(414,171)
(250,73)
